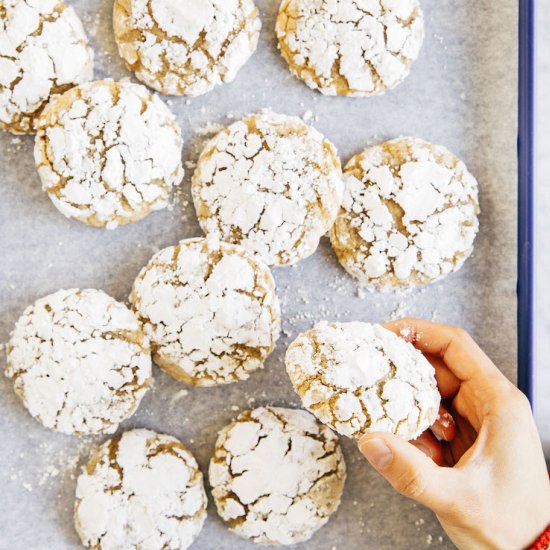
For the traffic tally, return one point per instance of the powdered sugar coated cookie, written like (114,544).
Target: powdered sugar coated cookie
(140,490)
(108,153)
(210,310)
(359,378)
(409,215)
(350,47)
(43,51)
(186,47)
(79,361)
(277,475)
(271,184)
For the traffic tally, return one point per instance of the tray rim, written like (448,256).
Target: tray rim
(526,176)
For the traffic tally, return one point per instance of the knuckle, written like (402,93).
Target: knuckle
(461,334)
(507,395)
(411,485)
(504,398)
(519,400)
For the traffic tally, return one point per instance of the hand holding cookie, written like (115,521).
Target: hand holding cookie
(496,493)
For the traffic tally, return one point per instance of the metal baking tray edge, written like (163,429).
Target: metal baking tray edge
(526,174)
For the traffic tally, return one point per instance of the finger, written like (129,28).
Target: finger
(444,427)
(464,439)
(409,470)
(460,353)
(447,382)
(448,454)
(430,446)
(482,385)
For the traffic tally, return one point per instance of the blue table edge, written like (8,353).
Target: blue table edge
(526,176)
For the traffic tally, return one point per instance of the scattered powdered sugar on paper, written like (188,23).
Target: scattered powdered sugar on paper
(132,158)
(276,475)
(140,490)
(409,215)
(43,51)
(186,47)
(209,129)
(350,47)
(79,361)
(399,312)
(178,396)
(270,183)
(210,310)
(58,464)
(358,378)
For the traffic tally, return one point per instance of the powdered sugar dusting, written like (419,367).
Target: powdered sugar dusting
(277,475)
(210,311)
(79,361)
(409,214)
(140,490)
(186,47)
(108,153)
(270,183)
(43,51)
(350,47)
(359,378)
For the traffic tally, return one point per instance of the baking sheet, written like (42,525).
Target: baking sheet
(461,93)
(526,174)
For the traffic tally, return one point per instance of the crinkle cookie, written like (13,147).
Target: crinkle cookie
(186,47)
(108,153)
(352,48)
(277,475)
(79,361)
(43,51)
(270,183)
(359,378)
(409,215)
(210,310)
(140,490)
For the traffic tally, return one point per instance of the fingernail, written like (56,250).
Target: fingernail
(376,452)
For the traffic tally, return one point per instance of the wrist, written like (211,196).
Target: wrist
(488,535)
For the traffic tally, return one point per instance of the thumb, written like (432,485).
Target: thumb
(408,469)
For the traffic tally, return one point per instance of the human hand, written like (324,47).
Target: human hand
(488,485)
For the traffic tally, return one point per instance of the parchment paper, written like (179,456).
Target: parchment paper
(461,93)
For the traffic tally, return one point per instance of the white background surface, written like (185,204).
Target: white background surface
(543,226)
(461,93)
